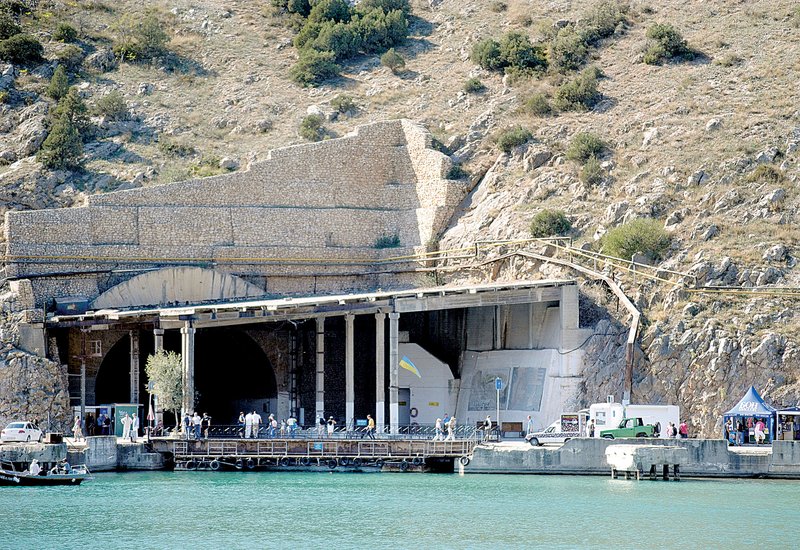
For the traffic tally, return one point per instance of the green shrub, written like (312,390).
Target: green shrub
(486,54)
(388,241)
(311,128)
(602,21)
(497,6)
(63,146)
(381,30)
(174,149)
(513,137)
(21,49)
(457,172)
(70,56)
(113,106)
(644,235)
(665,42)
(343,103)
(796,17)
(567,51)
(301,7)
(578,94)
(538,105)
(8,25)
(549,223)
(65,33)
(4,97)
(139,38)
(393,61)
(585,145)
(314,67)
(766,173)
(340,38)
(518,52)
(59,84)
(592,173)
(385,5)
(337,11)
(474,86)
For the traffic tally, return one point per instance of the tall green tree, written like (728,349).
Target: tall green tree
(73,106)
(63,147)
(164,370)
(59,83)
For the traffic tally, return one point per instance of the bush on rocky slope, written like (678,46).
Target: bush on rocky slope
(548,223)
(642,235)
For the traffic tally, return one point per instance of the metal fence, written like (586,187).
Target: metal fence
(408,431)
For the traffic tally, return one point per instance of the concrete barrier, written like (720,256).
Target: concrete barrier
(704,458)
(25,452)
(104,453)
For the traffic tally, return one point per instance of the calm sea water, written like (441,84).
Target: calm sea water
(340,510)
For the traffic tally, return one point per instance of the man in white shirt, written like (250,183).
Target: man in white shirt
(197,421)
(126,426)
(256,423)
(248,425)
(34,468)
(134,427)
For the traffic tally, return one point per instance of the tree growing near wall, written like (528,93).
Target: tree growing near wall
(165,370)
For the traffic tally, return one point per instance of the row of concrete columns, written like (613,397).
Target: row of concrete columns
(187,357)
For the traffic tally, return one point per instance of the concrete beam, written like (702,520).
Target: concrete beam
(349,369)
(320,401)
(380,365)
(394,362)
(187,358)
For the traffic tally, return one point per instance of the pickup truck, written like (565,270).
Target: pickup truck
(554,433)
(632,427)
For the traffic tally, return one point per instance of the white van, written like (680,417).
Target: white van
(569,426)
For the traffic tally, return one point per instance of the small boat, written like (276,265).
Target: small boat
(56,476)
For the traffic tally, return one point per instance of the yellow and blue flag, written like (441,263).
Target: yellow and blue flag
(407,364)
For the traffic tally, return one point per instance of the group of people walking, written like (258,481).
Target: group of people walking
(447,423)
(250,426)
(196,426)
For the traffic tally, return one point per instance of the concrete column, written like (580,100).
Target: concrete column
(158,337)
(380,364)
(349,370)
(83,393)
(134,366)
(187,358)
(394,364)
(320,404)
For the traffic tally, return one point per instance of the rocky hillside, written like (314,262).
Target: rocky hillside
(707,144)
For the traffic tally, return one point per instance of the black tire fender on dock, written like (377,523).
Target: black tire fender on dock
(356,462)
(250,464)
(214,465)
(464,460)
(379,463)
(404,466)
(191,465)
(239,464)
(344,461)
(332,464)
(284,461)
(417,460)
(305,461)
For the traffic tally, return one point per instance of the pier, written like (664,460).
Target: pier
(288,453)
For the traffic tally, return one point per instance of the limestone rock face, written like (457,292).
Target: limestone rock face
(31,387)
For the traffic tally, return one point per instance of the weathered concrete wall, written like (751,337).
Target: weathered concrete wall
(45,454)
(706,458)
(105,454)
(328,200)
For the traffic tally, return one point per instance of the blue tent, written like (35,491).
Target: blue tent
(752,406)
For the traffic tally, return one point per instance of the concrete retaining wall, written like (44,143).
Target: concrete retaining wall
(706,458)
(104,454)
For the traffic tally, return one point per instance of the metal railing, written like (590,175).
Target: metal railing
(406,431)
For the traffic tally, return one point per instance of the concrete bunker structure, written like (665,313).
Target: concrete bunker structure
(293,287)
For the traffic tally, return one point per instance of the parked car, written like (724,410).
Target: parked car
(559,431)
(21,431)
(632,427)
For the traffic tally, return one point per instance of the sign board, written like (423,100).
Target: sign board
(498,383)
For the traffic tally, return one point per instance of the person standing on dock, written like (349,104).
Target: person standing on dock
(205,424)
(291,426)
(77,433)
(683,430)
(487,428)
(187,425)
(439,431)
(197,421)
(529,426)
(134,428)
(321,427)
(126,426)
(446,419)
(451,428)
(370,428)
(331,426)
(248,425)
(273,426)
(759,431)
(256,424)
(242,424)
(590,428)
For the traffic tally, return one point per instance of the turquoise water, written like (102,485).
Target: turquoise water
(341,510)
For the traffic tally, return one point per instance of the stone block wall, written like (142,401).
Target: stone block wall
(307,208)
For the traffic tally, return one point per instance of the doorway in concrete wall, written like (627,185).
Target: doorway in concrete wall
(113,382)
(404,402)
(232,375)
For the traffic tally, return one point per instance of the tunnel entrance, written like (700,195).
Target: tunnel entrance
(232,374)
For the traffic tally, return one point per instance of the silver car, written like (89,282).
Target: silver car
(21,431)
